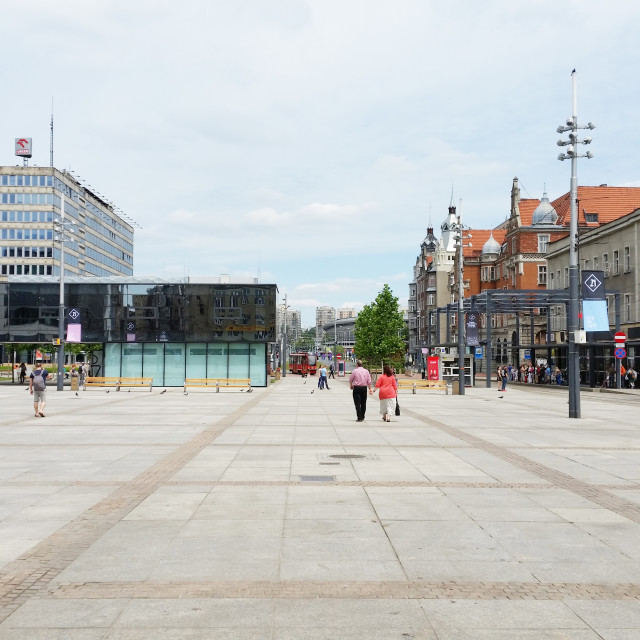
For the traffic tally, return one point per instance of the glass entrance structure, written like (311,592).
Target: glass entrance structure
(165,330)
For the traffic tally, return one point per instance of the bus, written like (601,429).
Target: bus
(303,363)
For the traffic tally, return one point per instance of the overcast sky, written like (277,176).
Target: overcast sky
(309,142)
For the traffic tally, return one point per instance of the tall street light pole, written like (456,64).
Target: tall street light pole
(64,232)
(461,324)
(571,126)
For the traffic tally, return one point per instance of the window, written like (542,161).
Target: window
(587,264)
(605,264)
(430,299)
(542,274)
(626,308)
(596,263)
(591,217)
(627,260)
(551,280)
(452,319)
(543,242)
(566,277)
(513,245)
(616,262)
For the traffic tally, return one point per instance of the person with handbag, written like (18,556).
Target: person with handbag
(388,393)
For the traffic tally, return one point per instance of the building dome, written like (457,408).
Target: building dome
(544,213)
(491,246)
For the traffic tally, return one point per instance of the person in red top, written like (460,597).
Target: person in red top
(388,392)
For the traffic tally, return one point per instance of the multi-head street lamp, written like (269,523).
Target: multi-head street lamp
(573,360)
(64,233)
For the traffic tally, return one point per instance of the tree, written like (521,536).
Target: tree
(379,330)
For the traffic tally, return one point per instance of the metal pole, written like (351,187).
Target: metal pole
(60,381)
(574,353)
(489,347)
(284,340)
(461,376)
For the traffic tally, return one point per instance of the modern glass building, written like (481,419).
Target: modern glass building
(152,328)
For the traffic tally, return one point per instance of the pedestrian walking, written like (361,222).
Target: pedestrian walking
(23,372)
(323,376)
(38,389)
(359,382)
(503,378)
(332,371)
(388,393)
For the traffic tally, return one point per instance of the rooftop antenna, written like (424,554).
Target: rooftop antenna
(51,138)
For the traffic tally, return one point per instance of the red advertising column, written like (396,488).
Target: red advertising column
(433,367)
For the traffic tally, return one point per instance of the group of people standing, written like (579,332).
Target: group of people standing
(360,382)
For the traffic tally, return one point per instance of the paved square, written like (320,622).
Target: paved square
(128,516)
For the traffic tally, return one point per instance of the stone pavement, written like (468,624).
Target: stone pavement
(275,516)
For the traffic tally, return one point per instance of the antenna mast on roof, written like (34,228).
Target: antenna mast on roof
(51,138)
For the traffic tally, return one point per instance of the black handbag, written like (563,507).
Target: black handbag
(397,408)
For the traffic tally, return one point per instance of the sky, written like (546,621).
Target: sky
(309,143)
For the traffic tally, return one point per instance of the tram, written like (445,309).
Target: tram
(303,363)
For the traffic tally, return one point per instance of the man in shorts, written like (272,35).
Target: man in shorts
(38,388)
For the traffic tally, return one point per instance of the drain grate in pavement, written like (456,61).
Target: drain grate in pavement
(318,478)
(329,463)
(346,456)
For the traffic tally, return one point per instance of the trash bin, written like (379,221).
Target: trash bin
(74,383)
(455,387)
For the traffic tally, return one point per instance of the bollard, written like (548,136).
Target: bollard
(414,388)
(217,387)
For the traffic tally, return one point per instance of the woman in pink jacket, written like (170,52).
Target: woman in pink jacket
(388,392)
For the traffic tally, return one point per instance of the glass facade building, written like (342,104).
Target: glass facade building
(166,330)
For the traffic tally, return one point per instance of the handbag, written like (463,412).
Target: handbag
(397,408)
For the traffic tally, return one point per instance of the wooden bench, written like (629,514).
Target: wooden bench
(94,381)
(135,382)
(422,384)
(218,383)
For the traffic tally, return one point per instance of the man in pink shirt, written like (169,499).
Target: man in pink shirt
(359,382)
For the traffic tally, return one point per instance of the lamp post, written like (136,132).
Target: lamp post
(64,233)
(461,328)
(573,361)
(283,348)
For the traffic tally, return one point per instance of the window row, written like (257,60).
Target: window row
(28,198)
(26,216)
(26,234)
(26,181)
(95,270)
(26,269)
(26,252)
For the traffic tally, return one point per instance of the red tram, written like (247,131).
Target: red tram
(303,363)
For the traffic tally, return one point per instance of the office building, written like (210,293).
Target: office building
(30,203)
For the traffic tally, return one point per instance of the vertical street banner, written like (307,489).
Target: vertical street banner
(74,325)
(131,330)
(433,367)
(471,322)
(594,301)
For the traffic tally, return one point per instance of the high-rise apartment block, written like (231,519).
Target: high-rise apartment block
(294,322)
(346,312)
(324,315)
(30,204)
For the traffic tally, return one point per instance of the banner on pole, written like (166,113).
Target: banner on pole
(472,329)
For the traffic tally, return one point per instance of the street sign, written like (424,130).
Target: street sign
(620,337)
(479,353)
(620,353)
